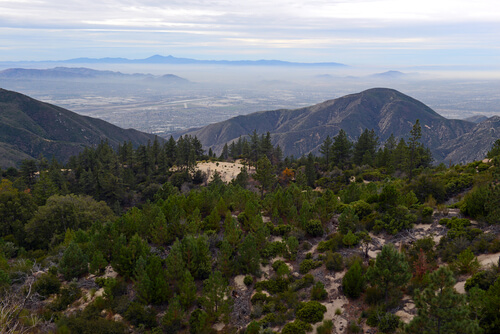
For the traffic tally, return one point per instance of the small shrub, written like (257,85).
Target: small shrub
(426,213)
(334,261)
(318,292)
(248,280)
(483,280)
(65,297)
(198,322)
(47,285)
(304,282)
(140,315)
(455,222)
(350,239)
(311,312)
(259,297)
(385,321)
(388,323)
(353,328)
(314,228)
(353,281)
(374,296)
(466,263)
(325,328)
(253,328)
(269,319)
(296,327)
(333,243)
(74,262)
(309,264)
(306,245)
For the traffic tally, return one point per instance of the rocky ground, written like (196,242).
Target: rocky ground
(340,309)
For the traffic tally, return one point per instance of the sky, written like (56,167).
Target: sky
(353,32)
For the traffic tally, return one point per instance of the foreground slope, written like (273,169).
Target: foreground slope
(29,127)
(303,130)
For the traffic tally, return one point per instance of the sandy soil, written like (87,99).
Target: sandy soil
(335,302)
(460,287)
(110,272)
(488,259)
(218,326)
(238,281)
(227,170)
(407,313)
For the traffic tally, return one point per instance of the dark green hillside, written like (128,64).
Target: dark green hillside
(29,128)
(144,241)
(301,131)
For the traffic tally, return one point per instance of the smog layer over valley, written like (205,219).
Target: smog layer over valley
(140,98)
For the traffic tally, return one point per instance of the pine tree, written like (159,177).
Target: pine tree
(172,320)
(390,271)
(365,148)
(43,189)
(175,264)
(248,256)
(264,173)
(353,280)
(413,144)
(266,147)
(225,152)
(216,299)
(151,281)
(341,149)
(326,149)
(310,171)
(495,150)
(254,146)
(187,290)
(74,262)
(28,170)
(441,309)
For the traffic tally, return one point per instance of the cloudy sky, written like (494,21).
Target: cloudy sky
(355,32)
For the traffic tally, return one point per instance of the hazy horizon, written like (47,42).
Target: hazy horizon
(391,33)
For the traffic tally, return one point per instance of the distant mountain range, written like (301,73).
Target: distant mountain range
(75,73)
(387,111)
(158,59)
(29,127)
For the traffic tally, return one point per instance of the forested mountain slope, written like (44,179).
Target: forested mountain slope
(303,130)
(138,240)
(29,127)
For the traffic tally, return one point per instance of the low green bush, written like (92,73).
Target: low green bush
(311,312)
(47,285)
(318,292)
(334,261)
(314,228)
(353,281)
(309,264)
(248,280)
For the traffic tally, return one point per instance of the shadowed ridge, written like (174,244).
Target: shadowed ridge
(300,131)
(32,127)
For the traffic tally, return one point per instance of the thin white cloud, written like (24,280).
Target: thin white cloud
(254,25)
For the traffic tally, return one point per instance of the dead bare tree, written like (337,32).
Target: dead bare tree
(12,303)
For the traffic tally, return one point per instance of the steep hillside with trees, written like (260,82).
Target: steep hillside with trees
(386,111)
(30,128)
(135,240)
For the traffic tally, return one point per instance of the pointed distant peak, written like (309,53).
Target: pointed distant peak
(389,74)
(158,57)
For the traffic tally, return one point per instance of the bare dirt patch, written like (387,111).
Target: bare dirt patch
(488,259)
(227,170)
